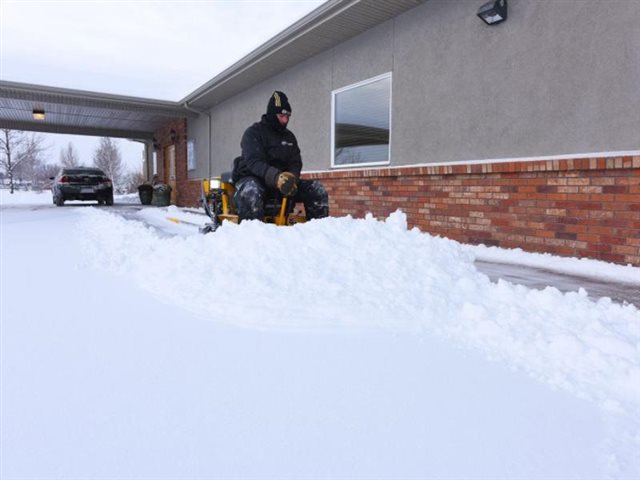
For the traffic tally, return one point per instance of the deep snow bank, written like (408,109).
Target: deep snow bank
(346,273)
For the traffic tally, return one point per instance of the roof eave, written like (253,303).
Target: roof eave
(324,28)
(306,23)
(46,92)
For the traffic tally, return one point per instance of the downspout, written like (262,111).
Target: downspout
(191,109)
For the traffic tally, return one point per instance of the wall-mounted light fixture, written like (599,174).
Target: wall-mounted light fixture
(155,143)
(173,135)
(493,12)
(38,113)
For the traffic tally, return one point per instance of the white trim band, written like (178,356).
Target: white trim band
(577,156)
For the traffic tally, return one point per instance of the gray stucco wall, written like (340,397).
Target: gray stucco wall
(306,85)
(558,77)
(198,130)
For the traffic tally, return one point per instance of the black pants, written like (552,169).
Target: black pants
(252,195)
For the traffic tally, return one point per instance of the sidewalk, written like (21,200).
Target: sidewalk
(540,278)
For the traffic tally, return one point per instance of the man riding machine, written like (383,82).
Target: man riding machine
(265,183)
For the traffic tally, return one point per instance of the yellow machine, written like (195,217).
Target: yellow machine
(217,200)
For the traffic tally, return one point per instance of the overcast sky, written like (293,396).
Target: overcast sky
(147,48)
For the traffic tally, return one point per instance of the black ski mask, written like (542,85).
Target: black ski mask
(278,103)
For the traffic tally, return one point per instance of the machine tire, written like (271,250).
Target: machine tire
(109,200)
(59,200)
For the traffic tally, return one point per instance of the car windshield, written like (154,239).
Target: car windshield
(83,171)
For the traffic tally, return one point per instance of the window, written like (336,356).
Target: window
(191,155)
(361,123)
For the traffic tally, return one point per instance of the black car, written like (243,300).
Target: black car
(82,183)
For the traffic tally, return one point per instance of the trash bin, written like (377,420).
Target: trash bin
(145,191)
(162,195)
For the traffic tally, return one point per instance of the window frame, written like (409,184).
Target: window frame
(362,83)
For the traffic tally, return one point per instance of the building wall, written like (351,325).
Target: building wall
(198,130)
(305,85)
(587,207)
(558,78)
(187,191)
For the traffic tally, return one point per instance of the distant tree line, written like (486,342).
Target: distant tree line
(23,162)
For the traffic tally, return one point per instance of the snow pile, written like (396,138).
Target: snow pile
(366,274)
(179,221)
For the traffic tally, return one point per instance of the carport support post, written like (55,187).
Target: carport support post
(148,160)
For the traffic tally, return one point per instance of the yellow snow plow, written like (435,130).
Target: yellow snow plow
(217,199)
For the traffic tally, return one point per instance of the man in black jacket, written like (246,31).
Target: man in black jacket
(270,164)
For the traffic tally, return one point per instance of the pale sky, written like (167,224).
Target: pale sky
(162,49)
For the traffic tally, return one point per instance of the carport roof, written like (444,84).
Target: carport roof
(84,113)
(101,114)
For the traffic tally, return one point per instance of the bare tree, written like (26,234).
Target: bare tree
(133,180)
(43,173)
(107,157)
(20,154)
(69,156)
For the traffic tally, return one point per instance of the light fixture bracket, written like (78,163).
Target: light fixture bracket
(493,12)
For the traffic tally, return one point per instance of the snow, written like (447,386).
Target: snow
(134,347)
(584,267)
(21,197)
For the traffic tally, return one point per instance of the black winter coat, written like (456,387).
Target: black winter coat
(266,152)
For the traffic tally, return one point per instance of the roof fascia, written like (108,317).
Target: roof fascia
(73,130)
(53,94)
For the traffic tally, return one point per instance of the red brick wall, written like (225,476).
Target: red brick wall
(576,207)
(189,195)
(187,191)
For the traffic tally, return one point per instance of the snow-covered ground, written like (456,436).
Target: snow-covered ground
(134,347)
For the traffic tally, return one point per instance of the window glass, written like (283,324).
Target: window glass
(362,123)
(191,155)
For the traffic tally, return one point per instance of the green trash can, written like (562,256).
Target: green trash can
(145,192)
(162,195)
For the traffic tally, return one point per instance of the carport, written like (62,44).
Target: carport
(59,110)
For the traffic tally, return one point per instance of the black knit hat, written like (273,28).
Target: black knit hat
(278,103)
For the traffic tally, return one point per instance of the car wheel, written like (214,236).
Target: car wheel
(100,202)
(59,200)
(109,200)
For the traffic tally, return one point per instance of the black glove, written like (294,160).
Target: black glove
(287,183)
